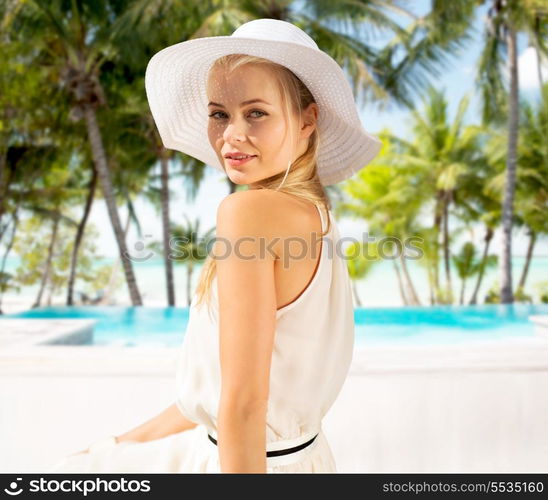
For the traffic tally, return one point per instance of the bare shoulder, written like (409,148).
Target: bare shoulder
(264,214)
(259,211)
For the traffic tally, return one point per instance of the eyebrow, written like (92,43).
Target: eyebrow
(251,101)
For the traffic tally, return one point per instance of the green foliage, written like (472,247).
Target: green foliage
(32,244)
(542,288)
(7,283)
(521,296)
(532,181)
(188,246)
(466,262)
(524,17)
(493,295)
(360,259)
(444,295)
(48,46)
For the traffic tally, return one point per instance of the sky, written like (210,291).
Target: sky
(457,79)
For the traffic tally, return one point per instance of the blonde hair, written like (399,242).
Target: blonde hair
(302,178)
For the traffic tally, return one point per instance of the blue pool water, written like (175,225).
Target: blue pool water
(402,325)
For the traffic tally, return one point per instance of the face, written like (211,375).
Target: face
(254,128)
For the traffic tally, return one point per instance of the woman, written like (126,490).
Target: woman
(271,327)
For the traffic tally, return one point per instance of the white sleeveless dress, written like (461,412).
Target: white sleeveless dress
(312,352)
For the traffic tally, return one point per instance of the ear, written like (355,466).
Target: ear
(309,120)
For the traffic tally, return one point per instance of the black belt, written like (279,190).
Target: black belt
(277,453)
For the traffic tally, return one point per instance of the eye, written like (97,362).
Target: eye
(212,115)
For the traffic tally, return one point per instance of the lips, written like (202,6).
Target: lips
(233,162)
(241,156)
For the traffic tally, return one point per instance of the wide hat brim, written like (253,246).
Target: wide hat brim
(175,83)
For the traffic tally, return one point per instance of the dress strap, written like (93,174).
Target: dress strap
(321,215)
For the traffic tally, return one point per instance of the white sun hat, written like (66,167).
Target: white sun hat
(175,83)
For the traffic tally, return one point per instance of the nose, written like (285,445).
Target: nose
(233,132)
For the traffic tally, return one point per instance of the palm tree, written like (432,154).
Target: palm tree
(140,135)
(479,194)
(440,154)
(91,190)
(537,36)
(386,197)
(23,137)
(148,27)
(26,165)
(196,247)
(186,246)
(532,192)
(29,126)
(39,183)
(417,46)
(361,257)
(56,217)
(505,19)
(75,40)
(429,261)
(466,265)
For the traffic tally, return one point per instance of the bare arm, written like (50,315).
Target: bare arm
(247,312)
(170,421)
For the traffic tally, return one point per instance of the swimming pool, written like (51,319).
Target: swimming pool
(139,326)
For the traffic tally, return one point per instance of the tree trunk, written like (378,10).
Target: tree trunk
(356,296)
(400,283)
(487,240)
(408,283)
(3,190)
(437,227)
(506,296)
(29,180)
(530,248)
(112,279)
(461,301)
(430,275)
(45,275)
(8,250)
(79,236)
(99,158)
(50,294)
(168,263)
(188,283)
(446,252)
(539,61)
